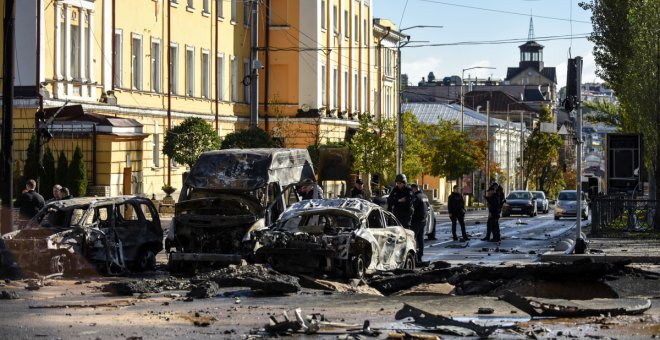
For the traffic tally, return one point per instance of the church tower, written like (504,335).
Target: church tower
(531,52)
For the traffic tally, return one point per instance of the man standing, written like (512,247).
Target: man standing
(399,202)
(495,199)
(310,190)
(30,201)
(56,193)
(456,207)
(418,220)
(358,190)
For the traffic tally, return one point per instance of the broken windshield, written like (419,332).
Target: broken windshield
(318,223)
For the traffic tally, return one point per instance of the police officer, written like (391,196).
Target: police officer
(495,198)
(419,216)
(400,201)
(358,190)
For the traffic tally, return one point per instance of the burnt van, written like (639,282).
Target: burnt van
(228,195)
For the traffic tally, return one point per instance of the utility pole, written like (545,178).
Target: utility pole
(6,221)
(574,101)
(255,65)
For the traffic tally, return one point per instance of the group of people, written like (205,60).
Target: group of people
(30,201)
(456,206)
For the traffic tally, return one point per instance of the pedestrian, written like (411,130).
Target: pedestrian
(56,193)
(456,207)
(358,190)
(30,201)
(495,198)
(310,190)
(399,202)
(65,194)
(419,216)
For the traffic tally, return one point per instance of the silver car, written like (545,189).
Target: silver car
(542,204)
(566,205)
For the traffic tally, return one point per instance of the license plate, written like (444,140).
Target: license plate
(515,209)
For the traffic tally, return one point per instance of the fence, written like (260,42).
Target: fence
(620,216)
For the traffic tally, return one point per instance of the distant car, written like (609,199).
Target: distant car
(520,202)
(542,203)
(566,205)
(108,234)
(344,236)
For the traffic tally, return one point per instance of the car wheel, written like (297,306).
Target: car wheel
(356,267)
(145,260)
(431,234)
(409,263)
(557,218)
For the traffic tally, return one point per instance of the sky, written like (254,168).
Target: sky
(465,22)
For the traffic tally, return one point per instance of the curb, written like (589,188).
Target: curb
(561,257)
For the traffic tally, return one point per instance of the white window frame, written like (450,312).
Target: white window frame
(234,78)
(156,66)
(324,21)
(220,75)
(136,62)
(190,71)
(117,59)
(174,67)
(206,74)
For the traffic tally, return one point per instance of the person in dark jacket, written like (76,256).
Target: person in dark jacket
(495,198)
(419,216)
(65,194)
(456,207)
(30,201)
(399,202)
(358,190)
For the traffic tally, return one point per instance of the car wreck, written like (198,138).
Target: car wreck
(342,236)
(227,195)
(107,234)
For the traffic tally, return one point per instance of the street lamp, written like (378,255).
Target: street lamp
(399,125)
(462,94)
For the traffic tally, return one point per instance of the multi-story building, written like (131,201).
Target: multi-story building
(127,71)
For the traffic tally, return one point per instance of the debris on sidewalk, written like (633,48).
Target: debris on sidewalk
(309,325)
(254,276)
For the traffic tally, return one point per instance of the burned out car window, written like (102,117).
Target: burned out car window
(318,224)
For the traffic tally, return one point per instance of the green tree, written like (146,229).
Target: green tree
(417,155)
(78,174)
(455,153)
(48,178)
(62,171)
(541,152)
(185,142)
(30,166)
(249,138)
(373,148)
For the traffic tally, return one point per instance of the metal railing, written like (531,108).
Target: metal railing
(620,215)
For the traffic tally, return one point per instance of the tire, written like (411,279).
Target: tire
(409,262)
(431,235)
(145,260)
(356,267)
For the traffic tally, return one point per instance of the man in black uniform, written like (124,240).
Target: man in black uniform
(399,202)
(495,199)
(456,208)
(418,220)
(30,201)
(358,190)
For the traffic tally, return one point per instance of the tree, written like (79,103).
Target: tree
(455,154)
(417,155)
(185,142)
(48,178)
(249,138)
(62,171)
(373,148)
(78,174)
(30,168)
(541,152)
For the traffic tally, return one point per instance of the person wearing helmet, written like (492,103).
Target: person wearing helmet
(400,201)
(495,198)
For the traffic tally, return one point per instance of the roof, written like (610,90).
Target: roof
(432,113)
(499,101)
(548,72)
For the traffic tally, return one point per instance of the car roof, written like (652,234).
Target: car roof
(82,201)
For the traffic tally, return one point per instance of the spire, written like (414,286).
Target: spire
(530,35)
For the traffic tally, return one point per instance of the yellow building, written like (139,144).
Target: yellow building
(126,71)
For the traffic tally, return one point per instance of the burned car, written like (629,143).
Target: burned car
(342,236)
(227,195)
(108,234)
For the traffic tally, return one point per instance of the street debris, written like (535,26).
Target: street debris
(144,286)
(539,307)
(432,321)
(353,286)
(8,295)
(204,290)
(256,276)
(308,325)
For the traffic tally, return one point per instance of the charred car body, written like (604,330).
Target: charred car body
(227,195)
(110,234)
(348,236)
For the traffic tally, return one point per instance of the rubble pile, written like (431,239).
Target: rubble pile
(254,276)
(128,288)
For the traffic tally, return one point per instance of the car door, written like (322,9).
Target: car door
(398,235)
(376,227)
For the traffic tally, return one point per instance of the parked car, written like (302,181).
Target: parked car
(110,234)
(519,202)
(343,236)
(566,205)
(542,203)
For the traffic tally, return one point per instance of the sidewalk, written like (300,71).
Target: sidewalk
(612,250)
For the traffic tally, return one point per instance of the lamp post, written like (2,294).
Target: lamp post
(399,125)
(462,94)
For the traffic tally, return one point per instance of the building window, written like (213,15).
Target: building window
(365,90)
(156,67)
(347,80)
(323,15)
(174,68)
(136,62)
(190,4)
(246,74)
(324,86)
(119,52)
(220,73)
(335,75)
(346,30)
(218,8)
(75,52)
(356,28)
(234,79)
(233,10)
(206,75)
(246,12)
(356,95)
(365,32)
(205,7)
(155,156)
(335,19)
(190,71)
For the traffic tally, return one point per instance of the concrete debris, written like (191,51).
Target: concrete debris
(354,286)
(254,276)
(400,335)
(428,289)
(8,295)
(430,320)
(204,290)
(128,288)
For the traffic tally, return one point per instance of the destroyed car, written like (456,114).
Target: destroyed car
(109,234)
(227,195)
(348,236)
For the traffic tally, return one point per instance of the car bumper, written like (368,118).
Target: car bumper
(517,210)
